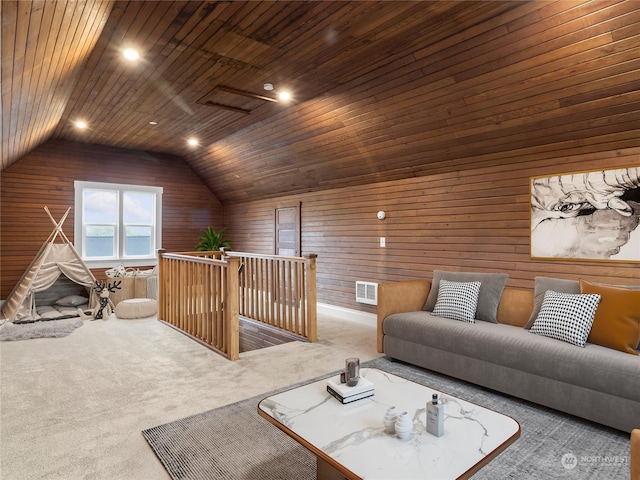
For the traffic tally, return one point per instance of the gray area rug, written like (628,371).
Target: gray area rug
(235,443)
(50,329)
(230,443)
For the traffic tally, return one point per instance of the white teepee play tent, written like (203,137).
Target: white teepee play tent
(53,260)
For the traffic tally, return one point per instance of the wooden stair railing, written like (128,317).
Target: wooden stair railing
(203,293)
(198,295)
(279,291)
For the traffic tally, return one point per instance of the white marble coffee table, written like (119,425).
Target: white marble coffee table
(350,440)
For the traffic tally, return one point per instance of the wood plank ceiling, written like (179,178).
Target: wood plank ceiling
(380,89)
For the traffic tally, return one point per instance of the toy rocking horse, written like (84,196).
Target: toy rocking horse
(104,310)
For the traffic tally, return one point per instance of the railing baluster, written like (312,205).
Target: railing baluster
(255,289)
(269,282)
(219,306)
(261,290)
(200,300)
(297,295)
(303,301)
(289,285)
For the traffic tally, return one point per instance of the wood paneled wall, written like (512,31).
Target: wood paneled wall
(474,219)
(46,177)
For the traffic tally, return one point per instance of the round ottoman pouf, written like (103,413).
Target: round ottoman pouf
(137,308)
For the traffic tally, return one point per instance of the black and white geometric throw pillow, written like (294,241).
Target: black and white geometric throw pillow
(457,300)
(566,316)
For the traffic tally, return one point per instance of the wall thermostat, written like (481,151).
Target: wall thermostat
(381,215)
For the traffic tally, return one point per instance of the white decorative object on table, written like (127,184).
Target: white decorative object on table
(404,425)
(389,420)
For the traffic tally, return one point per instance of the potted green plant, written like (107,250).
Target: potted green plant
(212,240)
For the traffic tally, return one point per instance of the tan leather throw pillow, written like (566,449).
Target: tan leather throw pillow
(617,321)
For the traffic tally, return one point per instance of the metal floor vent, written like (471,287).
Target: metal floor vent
(367,292)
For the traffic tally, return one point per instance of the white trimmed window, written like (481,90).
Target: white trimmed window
(117,223)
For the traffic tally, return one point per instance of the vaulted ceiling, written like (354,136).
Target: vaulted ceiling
(380,88)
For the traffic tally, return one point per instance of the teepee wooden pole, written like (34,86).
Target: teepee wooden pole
(58,230)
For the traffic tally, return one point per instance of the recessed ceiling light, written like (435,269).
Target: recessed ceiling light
(131,54)
(268,86)
(284,96)
(80,124)
(153,123)
(192,142)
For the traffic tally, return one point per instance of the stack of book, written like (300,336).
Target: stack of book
(345,394)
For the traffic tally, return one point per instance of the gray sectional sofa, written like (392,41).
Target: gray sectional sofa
(594,382)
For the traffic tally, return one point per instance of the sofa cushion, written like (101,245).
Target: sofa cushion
(567,317)
(515,306)
(491,287)
(617,321)
(457,300)
(593,367)
(542,284)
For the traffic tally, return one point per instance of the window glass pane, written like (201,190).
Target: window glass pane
(117,222)
(138,208)
(100,206)
(137,241)
(100,241)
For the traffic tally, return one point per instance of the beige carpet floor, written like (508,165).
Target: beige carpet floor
(74,407)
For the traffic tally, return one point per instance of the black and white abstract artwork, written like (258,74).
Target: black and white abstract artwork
(587,216)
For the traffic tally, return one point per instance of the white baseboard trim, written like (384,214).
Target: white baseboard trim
(348,314)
